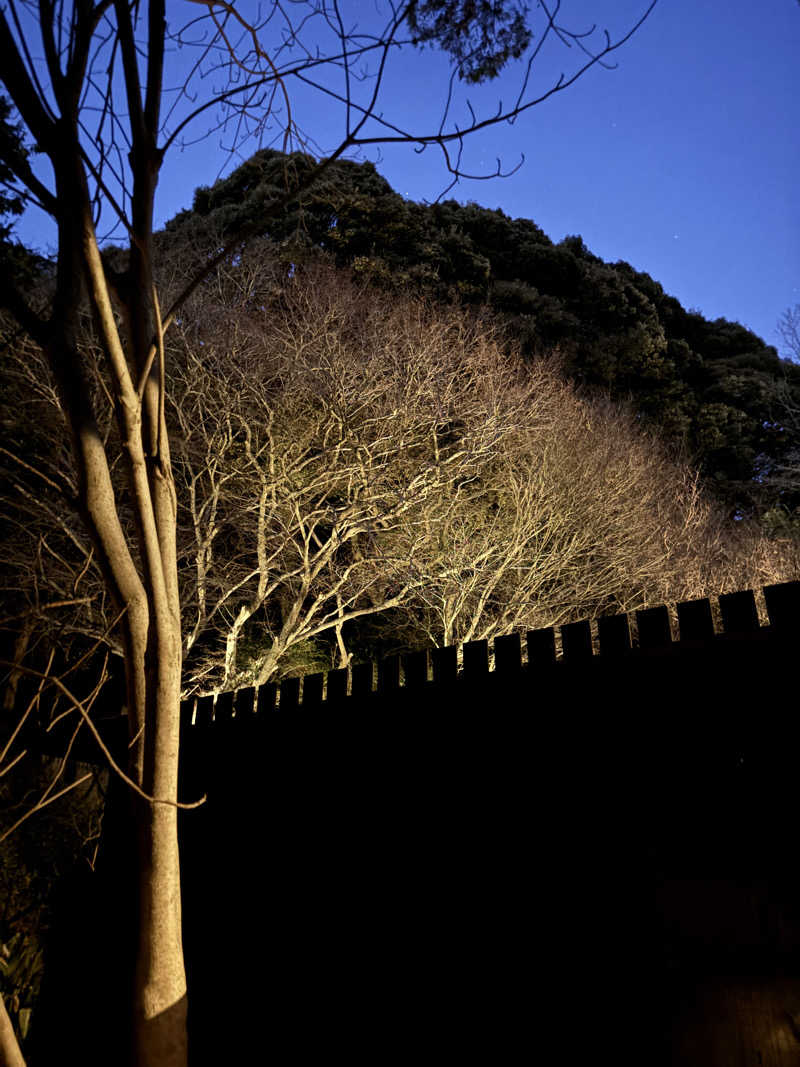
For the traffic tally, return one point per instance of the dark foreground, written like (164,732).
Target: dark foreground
(554,873)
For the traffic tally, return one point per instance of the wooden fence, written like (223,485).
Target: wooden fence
(424,852)
(695,637)
(656,631)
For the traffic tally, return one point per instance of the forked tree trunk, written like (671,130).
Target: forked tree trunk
(141,575)
(152,643)
(153,660)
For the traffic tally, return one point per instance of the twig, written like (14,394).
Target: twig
(85,715)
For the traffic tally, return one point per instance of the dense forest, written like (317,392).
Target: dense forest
(718,394)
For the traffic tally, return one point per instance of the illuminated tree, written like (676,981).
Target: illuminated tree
(97,107)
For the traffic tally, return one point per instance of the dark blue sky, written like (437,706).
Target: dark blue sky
(684,161)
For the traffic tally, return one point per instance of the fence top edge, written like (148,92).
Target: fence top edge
(789,590)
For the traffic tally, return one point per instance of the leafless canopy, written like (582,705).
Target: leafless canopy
(789,331)
(338,461)
(92,84)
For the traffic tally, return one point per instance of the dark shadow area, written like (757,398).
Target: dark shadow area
(593,859)
(563,867)
(84,1013)
(394,917)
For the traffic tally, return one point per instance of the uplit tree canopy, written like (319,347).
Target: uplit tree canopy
(88,82)
(716,392)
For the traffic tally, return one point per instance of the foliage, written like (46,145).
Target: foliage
(13,156)
(17,261)
(712,390)
(479,35)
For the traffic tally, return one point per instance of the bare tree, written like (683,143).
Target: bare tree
(580,514)
(782,479)
(789,331)
(51,587)
(784,413)
(309,423)
(306,436)
(94,104)
(336,459)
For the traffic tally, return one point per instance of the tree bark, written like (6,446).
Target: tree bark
(160,1008)
(10,1052)
(141,575)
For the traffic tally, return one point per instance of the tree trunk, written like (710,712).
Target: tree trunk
(151,630)
(152,620)
(160,1005)
(160,1008)
(10,1052)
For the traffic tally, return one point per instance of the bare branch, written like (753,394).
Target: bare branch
(79,706)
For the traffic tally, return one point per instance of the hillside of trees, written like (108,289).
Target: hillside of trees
(521,436)
(718,396)
(605,370)
(356,427)
(357,478)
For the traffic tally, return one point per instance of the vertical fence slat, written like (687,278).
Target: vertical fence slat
(389,674)
(265,699)
(205,711)
(783,605)
(476,659)
(415,668)
(541,645)
(695,620)
(337,684)
(445,664)
(187,710)
(290,694)
(653,626)
(576,640)
(243,703)
(614,634)
(362,679)
(508,654)
(312,690)
(223,709)
(739,612)
(246,702)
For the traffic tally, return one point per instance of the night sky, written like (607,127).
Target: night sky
(683,161)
